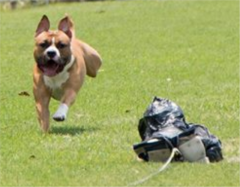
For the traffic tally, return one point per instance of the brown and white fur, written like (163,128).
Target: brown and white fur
(62,61)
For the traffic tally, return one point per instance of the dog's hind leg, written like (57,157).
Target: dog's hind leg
(92,59)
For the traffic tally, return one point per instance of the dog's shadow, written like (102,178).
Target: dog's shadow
(71,130)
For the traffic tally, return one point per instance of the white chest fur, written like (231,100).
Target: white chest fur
(55,83)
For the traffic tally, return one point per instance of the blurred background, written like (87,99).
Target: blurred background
(16,4)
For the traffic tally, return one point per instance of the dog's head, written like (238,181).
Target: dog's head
(53,48)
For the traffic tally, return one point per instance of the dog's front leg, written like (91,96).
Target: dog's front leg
(66,102)
(42,103)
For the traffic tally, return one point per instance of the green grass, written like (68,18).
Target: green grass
(187,51)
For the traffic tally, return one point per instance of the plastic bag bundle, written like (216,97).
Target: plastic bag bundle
(163,127)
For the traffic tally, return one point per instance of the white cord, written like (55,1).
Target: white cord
(174,151)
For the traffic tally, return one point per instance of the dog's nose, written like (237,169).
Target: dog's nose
(51,54)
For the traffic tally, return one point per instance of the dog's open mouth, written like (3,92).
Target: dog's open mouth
(51,68)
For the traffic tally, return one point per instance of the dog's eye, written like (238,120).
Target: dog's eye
(43,45)
(61,45)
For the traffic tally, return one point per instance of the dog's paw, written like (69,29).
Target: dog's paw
(59,117)
(61,113)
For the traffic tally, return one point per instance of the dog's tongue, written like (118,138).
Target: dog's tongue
(50,69)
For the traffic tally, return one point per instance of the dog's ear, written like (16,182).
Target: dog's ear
(66,25)
(43,25)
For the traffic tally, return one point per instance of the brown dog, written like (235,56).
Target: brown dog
(62,61)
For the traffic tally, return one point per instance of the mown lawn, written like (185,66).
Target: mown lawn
(187,51)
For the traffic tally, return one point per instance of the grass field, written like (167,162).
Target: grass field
(187,51)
